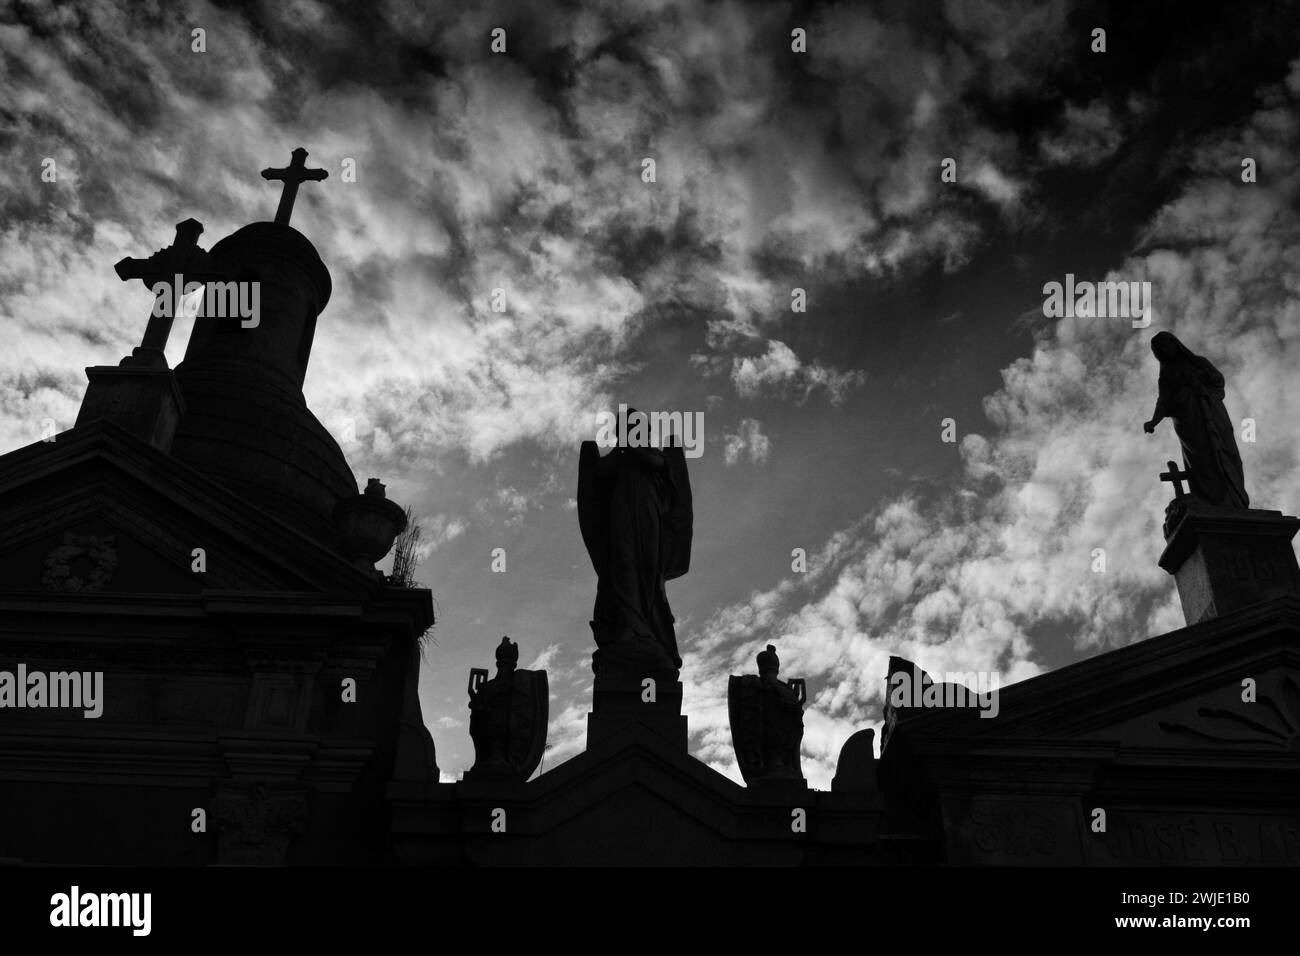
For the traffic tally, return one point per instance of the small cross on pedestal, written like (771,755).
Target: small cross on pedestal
(292,176)
(185,259)
(1176,477)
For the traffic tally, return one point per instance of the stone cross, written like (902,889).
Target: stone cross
(292,176)
(163,266)
(1176,477)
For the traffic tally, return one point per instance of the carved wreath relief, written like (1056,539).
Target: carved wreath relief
(80,563)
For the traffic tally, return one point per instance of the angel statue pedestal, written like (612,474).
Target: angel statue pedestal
(653,700)
(634,509)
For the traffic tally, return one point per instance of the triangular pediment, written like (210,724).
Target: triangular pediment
(97,510)
(1231,684)
(1261,712)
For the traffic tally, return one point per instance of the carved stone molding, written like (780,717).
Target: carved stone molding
(1272,721)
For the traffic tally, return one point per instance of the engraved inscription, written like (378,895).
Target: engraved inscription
(1011,832)
(1162,841)
(1255,568)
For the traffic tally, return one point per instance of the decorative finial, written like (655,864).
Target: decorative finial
(292,176)
(376,487)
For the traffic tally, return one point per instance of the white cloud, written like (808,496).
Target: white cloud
(748,442)
(1088,136)
(995,185)
(435,531)
(545,658)
(508,505)
(779,370)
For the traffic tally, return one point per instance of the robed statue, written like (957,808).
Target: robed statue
(507,718)
(767,721)
(1191,394)
(634,509)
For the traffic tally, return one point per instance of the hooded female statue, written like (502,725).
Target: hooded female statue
(1191,393)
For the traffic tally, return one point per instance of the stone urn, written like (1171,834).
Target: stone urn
(368,524)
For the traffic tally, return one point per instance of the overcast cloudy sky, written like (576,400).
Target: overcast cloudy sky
(775,170)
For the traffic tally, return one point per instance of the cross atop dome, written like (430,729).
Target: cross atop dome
(292,176)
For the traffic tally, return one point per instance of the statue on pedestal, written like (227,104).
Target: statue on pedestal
(634,509)
(767,721)
(507,718)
